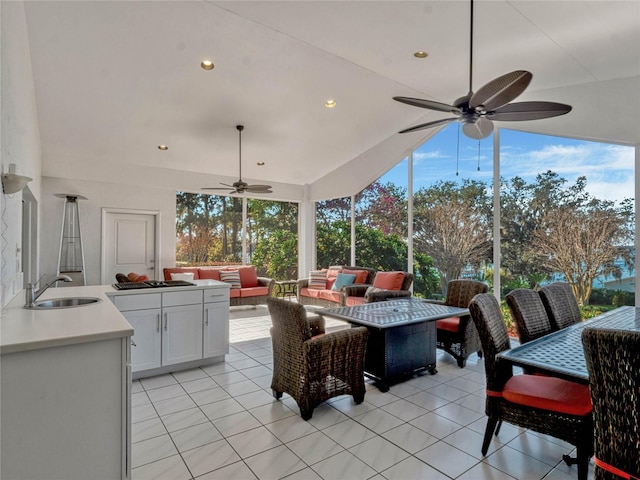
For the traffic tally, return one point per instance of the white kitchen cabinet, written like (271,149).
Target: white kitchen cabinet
(216,328)
(146,343)
(144,314)
(176,329)
(66,412)
(182,334)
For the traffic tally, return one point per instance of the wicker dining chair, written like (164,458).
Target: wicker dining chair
(547,405)
(528,313)
(614,379)
(311,365)
(561,305)
(457,335)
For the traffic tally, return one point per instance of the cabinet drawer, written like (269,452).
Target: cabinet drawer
(137,301)
(214,295)
(187,297)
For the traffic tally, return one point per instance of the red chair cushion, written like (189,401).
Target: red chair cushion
(351,301)
(451,324)
(248,276)
(209,273)
(361,275)
(330,295)
(548,393)
(310,292)
(254,291)
(332,274)
(388,280)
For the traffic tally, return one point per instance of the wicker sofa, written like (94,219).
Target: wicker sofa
(326,297)
(253,290)
(369,286)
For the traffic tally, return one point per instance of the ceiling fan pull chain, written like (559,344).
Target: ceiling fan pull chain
(458,150)
(478,155)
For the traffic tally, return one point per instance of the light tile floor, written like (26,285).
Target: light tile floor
(221,422)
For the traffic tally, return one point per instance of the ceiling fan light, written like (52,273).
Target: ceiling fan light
(330,103)
(420,54)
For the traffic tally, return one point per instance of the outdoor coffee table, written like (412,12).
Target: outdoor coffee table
(402,336)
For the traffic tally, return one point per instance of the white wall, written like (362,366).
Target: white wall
(19,140)
(101,195)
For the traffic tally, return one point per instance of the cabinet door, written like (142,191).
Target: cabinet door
(146,338)
(182,334)
(216,329)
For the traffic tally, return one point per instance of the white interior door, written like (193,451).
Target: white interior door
(129,245)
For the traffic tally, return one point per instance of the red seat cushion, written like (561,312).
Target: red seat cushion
(351,301)
(450,324)
(330,295)
(388,280)
(254,291)
(548,393)
(310,292)
(234,293)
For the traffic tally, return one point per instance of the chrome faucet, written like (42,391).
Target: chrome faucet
(31,294)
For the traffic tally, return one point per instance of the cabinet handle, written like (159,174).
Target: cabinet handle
(206,316)
(158,324)
(165,322)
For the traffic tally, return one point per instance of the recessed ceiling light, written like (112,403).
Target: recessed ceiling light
(163,147)
(260,164)
(207,64)
(420,54)
(330,103)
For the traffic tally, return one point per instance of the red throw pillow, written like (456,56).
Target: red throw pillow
(361,275)
(388,280)
(248,276)
(134,277)
(209,273)
(332,274)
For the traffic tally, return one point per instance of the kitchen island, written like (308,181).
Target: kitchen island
(66,375)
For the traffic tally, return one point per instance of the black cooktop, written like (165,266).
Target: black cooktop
(152,284)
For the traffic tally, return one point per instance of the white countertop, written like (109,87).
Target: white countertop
(24,329)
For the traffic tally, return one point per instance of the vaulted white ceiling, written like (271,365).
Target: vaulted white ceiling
(114,79)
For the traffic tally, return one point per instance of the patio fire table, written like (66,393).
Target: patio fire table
(402,336)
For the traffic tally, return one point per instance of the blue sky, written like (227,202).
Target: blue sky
(609,168)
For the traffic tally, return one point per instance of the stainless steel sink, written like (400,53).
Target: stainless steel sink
(69,302)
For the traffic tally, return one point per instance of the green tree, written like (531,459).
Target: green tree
(452,224)
(583,241)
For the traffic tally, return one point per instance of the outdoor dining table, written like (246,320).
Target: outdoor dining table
(402,336)
(561,354)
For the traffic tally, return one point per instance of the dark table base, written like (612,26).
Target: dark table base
(396,353)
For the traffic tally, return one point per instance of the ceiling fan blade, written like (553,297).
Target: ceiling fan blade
(478,130)
(214,188)
(428,125)
(250,189)
(529,111)
(431,105)
(501,90)
(260,187)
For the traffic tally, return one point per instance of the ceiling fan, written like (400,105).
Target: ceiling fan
(477,110)
(240,186)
